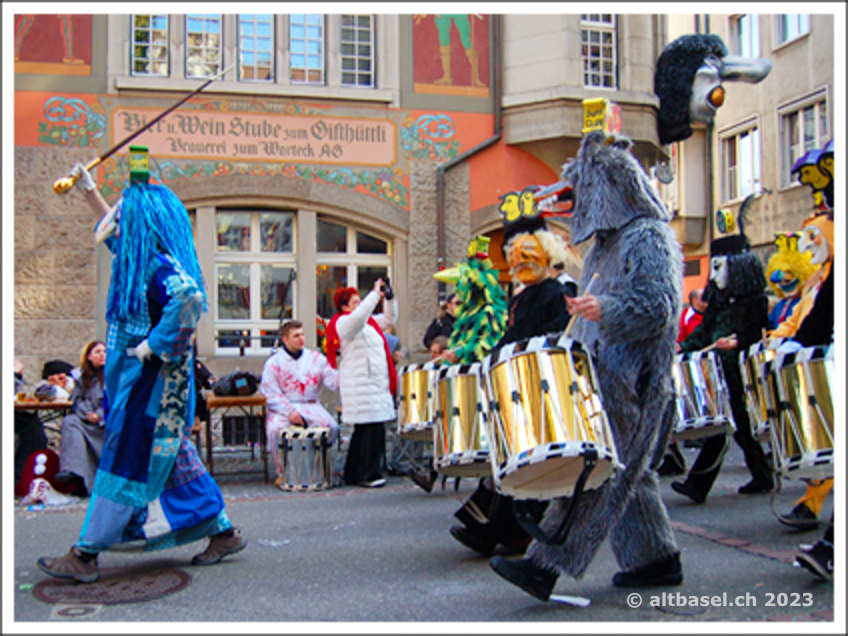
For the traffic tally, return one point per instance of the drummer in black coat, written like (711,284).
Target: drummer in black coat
(538,309)
(735,318)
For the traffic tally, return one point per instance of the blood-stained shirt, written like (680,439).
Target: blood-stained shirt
(290,384)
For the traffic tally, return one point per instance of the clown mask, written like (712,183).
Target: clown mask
(815,242)
(527,259)
(718,271)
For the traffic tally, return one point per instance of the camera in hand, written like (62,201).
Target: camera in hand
(387,288)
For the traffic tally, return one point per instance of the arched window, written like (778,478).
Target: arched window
(346,257)
(254,276)
(257,272)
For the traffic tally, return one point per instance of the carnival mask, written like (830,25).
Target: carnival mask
(527,259)
(718,271)
(815,242)
(786,280)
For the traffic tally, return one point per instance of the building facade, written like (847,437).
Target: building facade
(747,154)
(334,149)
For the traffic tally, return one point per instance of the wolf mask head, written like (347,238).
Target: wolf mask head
(610,187)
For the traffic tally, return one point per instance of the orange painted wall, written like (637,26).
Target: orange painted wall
(693,282)
(500,169)
(469,129)
(29,114)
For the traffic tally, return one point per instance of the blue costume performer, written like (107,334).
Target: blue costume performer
(151,491)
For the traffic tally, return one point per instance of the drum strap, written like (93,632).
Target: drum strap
(523,509)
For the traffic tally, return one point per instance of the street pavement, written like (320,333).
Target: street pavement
(349,557)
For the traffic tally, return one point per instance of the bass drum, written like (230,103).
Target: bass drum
(460,438)
(546,419)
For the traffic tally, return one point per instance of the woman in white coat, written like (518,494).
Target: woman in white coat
(367,377)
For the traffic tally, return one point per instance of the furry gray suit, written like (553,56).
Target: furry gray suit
(639,262)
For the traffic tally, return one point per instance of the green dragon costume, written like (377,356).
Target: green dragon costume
(481,316)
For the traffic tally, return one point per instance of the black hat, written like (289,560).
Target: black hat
(732,244)
(55,366)
(522,225)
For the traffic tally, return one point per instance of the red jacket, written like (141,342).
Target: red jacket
(689,319)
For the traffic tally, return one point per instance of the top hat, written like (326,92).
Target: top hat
(732,244)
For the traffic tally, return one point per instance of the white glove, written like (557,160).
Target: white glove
(83,177)
(142,351)
(790,346)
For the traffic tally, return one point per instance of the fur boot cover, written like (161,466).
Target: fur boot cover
(639,262)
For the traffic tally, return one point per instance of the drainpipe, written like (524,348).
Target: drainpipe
(495,72)
(711,205)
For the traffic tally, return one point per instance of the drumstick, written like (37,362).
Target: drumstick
(713,345)
(595,276)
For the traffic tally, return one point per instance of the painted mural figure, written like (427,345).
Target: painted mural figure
(151,490)
(463,26)
(66,31)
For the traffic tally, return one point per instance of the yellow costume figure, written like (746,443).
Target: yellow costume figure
(817,239)
(787,272)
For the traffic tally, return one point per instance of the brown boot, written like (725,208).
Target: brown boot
(219,547)
(476,82)
(445,54)
(70,566)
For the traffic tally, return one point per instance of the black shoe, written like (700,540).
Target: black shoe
(517,546)
(818,559)
(473,540)
(527,575)
(667,571)
(800,517)
(671,466)
(66,476)
(423,479)
(756,487)
(685,488)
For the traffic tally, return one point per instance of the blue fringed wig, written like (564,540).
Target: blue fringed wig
(152,219)
(149,465)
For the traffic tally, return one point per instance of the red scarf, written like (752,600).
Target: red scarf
(333,346)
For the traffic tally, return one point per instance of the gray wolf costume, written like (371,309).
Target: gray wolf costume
(639,263)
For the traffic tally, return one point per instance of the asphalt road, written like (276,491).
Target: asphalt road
(339,559)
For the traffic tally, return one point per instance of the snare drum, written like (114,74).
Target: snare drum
(802,435)
(751,366)
(416,402)
(305,459)
(703,400)
(546,419)
(460,447)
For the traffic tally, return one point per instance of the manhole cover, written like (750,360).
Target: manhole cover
(115,586)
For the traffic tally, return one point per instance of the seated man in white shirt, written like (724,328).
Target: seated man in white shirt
(291,383)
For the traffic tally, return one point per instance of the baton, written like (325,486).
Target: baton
(66,183)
